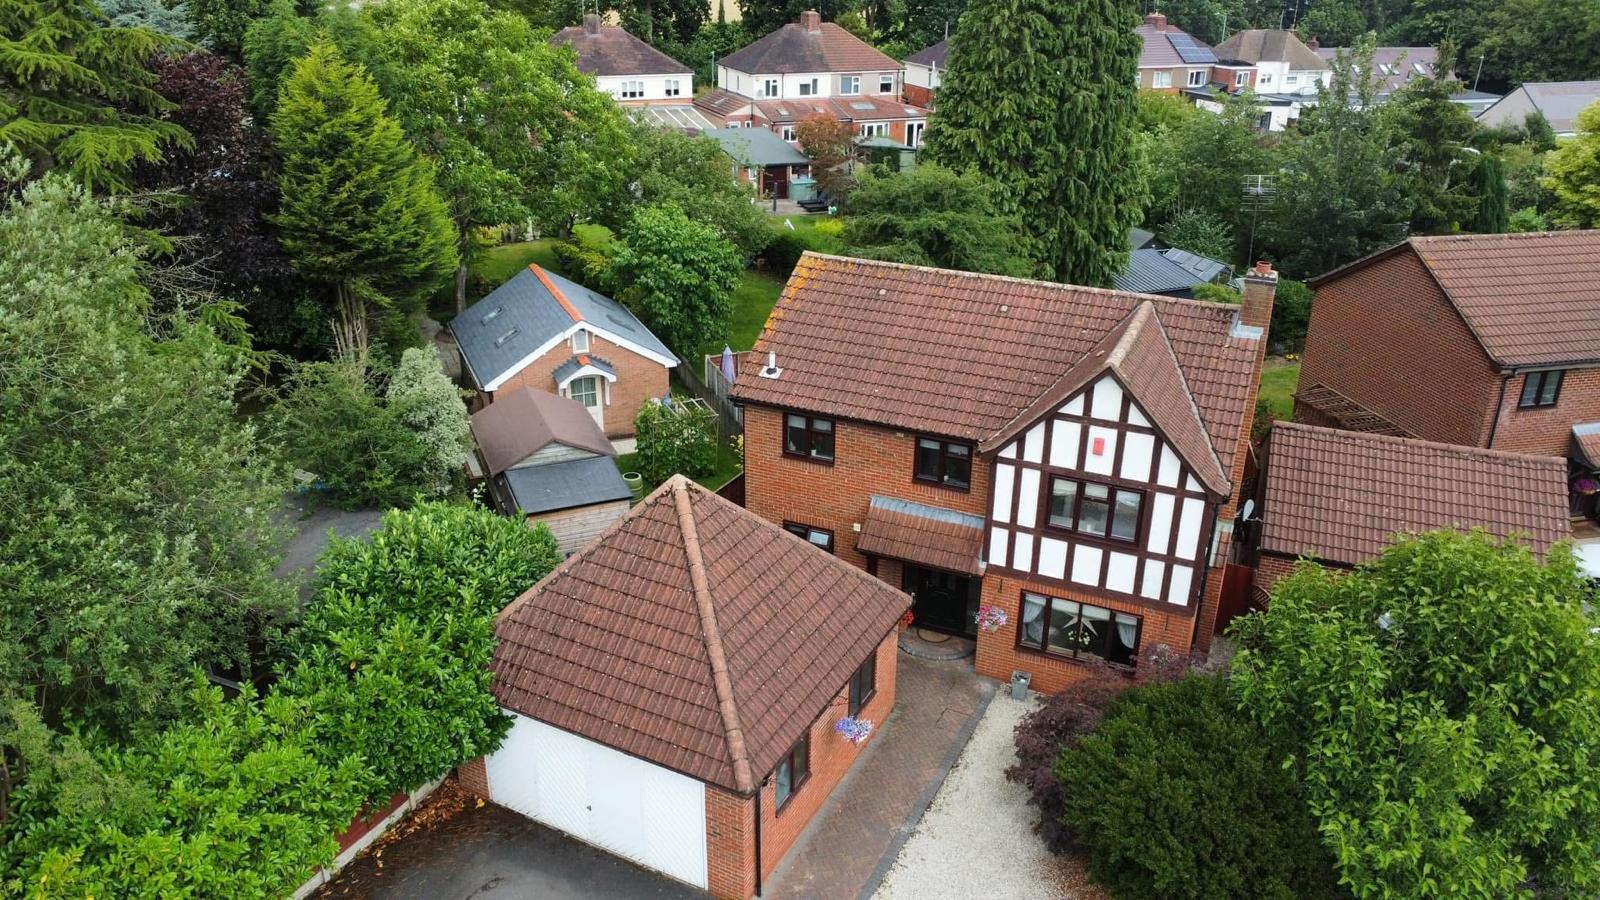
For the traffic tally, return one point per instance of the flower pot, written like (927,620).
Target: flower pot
(635,483)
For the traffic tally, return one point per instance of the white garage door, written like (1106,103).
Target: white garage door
(653,816)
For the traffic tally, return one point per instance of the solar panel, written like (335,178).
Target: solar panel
(1190,50)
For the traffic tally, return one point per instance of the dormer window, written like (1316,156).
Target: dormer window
(580,341)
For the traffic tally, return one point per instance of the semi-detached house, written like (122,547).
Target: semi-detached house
(1069,456)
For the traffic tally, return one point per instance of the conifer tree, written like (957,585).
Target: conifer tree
(75,93)
(360,211)
(1040,97)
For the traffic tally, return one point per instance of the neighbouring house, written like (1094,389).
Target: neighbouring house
(1395,67)
(766,162)
(630,70)
(1069,456)
(812,67)
(1288,71)
(1142,239)
(1485,340)
(1174,61)
(1558,101)
(924,73)
(545,458)
(1170,272)
(1339,497)
(544,332)
(675,689)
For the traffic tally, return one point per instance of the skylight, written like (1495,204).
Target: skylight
(500,341)
(489,316)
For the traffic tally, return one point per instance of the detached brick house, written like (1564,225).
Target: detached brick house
(675,687)
(1340,497)
(1068,455)
(1480,340)
(541,331)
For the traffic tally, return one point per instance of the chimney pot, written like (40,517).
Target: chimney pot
(1157,20)
(591,23)
(811,20)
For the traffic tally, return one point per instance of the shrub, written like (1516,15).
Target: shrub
(588,256)
(675,438)
(1178,794)
(1201,232)
(678,274)
(426,402)
(1291,315)
(784,252)
(1216,293)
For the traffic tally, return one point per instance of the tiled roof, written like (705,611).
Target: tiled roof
(1558,101)
(916,532)
(866,107)
(795,49)
(1340,496)
(1531,299)
(723,102)
(1397,66)
(1273,45)
(692,634)
(551,487)
(521,422)
(1350,415)
(935,57)
(962,355)
(1586,442)
(607,50)
(1167,45)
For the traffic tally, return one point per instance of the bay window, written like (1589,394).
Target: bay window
(1078,630)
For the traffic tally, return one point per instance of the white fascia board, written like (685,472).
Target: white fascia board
(547,346)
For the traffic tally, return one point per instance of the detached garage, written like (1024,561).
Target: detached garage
(675,689)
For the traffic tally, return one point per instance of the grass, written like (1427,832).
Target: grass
(728,466)
(1278,379)
(494,267)
(753,300)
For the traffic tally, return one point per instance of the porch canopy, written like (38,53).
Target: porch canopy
(918,533)
(1586,444)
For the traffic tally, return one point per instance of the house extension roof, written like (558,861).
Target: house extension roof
(608,50)
(1257,45)
(523,318)
(521,422)
(1340,496)
(935,57)
(931,535)
(1167,45)
(1558,101)
(692,634)
(865,107)
(575,483)
(1168,271)
(757,147)
(965,355)
(1531,299)
(807,46)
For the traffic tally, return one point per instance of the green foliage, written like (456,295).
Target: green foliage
(932,216)
(589,255)
(139,539)
(1046,107)
(1435,162)
(1158,109)
(661,22)
(691,173)
(287,32)
(1526,40)
(1525,220)
(1335,23)
(1216,293)
(1198,161)
(427,403)
(789,244)
(75,94)
(831,145)
(762,16)
(678,275)
(1444,701)
(1574,174)
(170,19)
(222,23)
(1291,315)
(1199,231)
(1179,795)
(1494,197)
(675,439)
(392,655)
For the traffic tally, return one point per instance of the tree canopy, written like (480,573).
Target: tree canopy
(679,275)
(931,216)
(1574,174)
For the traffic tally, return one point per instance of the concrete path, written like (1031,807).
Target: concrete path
(311,525)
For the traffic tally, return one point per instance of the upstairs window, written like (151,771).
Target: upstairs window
(769,87)
(808,436)
(674,87)
(1540,388)
(863,685)
(1264,78)
(792,771)
(944,462)
(885,84)
(1241,79)
(808,88)
(632,90)
(1077,630)
(816,537)
(1095,509)
(580,341)
(849,85)
(788,133)
(1197,77)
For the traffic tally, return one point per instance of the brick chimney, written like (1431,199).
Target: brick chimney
(1313,43)
(1260,286)
(811,20)
(1157,21)
(591,23)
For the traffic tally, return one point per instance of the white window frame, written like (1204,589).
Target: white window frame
(770,87)
(674,87)
(914,132)
(1197,77)
(593,381)
(1161,79)
(788,133)
(1291,79)
(580,341)
(1264,78)
(633,90)
(1240,79)
(808,88)
(849,85)
(874,129)
(886,84)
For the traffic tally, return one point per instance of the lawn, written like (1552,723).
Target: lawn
(753,300)
(728,466)
(1278,379)
(494,267)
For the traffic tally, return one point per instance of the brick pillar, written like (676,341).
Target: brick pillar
(730,845)
(474,776)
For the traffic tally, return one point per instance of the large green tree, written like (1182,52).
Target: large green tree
(138,539)
(75,92)
(1435,161)
(1444,701)
(679,275)
(693,174)
(932,216)
(1574,174)
(1045,106)
(1199,160)
(359,211)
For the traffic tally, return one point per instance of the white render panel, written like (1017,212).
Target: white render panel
(1150,585)
(1052,558)
(1073,407)
(1137,450)
(1033,444)
(1194,509)
(1086,565)
(1064,440)
(1009,451)
(1022,558)
(1168,475)
(560,759)
(1161,506)
(1101,464)
(1120,571)
(1178,590)
(1136,416)
(997,546)
(1107,405)
(1194,484)
(1002,492)
(1027,499)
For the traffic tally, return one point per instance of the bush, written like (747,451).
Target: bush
(1178,794)
(678,275)
(588,256)
(1216,293)
(1291,315)
(675,438)
(427,403)
(1201,232)
(784,252)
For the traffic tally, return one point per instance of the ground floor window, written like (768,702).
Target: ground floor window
(793,770)
(1076,630)
(863,684)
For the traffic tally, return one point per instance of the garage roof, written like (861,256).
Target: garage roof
(693,634)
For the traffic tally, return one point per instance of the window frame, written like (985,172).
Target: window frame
(1078,654)
(1240,79)
(874,129)
(804,532)
(939,478)
(811,429)
(886,79)
(1112,489)
(1197,78)
(849,85)
(809,88)
(1534,391)
(801,751)
(572,393)
(580,341)
(1159,76)
(788,134)
(633,90)
(861,694)
(673,87)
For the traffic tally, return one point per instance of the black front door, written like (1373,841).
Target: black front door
(942,601)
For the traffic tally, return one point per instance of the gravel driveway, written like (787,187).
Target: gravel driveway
(976,840)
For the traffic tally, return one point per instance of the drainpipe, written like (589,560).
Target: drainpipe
(1494,425)
(758,838)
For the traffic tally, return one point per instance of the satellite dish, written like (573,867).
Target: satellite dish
(1247,510)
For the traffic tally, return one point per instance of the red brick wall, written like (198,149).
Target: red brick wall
(1386,337)
(867,460)
(1270,570)
(474,776)
(1547,430)
(638,379)
(730,845)
(917,95)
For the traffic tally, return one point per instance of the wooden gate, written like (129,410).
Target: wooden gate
(1236,594)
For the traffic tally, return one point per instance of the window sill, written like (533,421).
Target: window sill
(1131,545)
(1085,661)
(810,459)
(958,488)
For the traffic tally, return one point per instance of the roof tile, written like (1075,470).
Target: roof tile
(795,49)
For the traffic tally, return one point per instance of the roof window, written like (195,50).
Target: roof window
(491,314)
(501,340)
